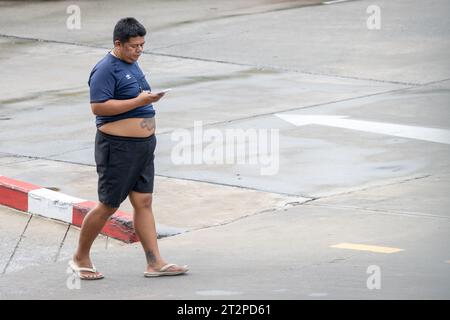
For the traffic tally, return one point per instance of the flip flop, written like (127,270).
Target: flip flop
(163,271)
(78,271)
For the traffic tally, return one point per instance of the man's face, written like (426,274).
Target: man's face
(132,49)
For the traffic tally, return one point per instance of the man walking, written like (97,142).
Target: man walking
(125,142)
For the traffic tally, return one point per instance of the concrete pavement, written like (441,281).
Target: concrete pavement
(287,254)
(234,65)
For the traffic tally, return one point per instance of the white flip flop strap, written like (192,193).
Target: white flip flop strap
(93,270)
(167,266)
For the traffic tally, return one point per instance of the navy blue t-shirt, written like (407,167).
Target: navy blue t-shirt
(113,78)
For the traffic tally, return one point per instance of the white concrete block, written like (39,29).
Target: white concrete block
(51,204)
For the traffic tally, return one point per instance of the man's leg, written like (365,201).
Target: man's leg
(93,223)
(144,225)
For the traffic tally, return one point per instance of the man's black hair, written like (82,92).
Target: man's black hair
(127,28)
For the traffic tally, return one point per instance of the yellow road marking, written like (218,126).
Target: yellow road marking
(363,247)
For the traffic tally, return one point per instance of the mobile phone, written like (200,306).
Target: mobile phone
(164,91)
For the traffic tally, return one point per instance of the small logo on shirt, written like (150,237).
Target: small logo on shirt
(128,76)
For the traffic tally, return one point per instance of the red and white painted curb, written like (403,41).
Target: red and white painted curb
(34,199)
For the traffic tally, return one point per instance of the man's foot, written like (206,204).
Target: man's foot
(84,269)
(165,269)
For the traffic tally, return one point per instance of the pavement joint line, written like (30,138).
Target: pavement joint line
(236,186)
(241,15)
(54,93)
(62,244)
(382,211)
(311,198)
(225,223)
(13,163)
(32,158)
(376,186)
(435,82)
(261,67)
(196,41)
(278,68)
(316,198)
(17,245)
(68,151)
(365,247)
(265,211)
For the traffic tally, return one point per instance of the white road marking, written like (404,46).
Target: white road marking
(392,129)
(364,247)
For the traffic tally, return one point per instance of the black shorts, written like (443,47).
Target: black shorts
(123,164)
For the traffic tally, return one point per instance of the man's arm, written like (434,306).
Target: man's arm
(112,107)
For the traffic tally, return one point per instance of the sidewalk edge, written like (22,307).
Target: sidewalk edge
(35,199)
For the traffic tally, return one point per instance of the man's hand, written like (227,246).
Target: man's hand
(146,97)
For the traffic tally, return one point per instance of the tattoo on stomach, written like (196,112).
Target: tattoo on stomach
(148,124)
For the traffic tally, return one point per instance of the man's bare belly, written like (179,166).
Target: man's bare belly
(131,127)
